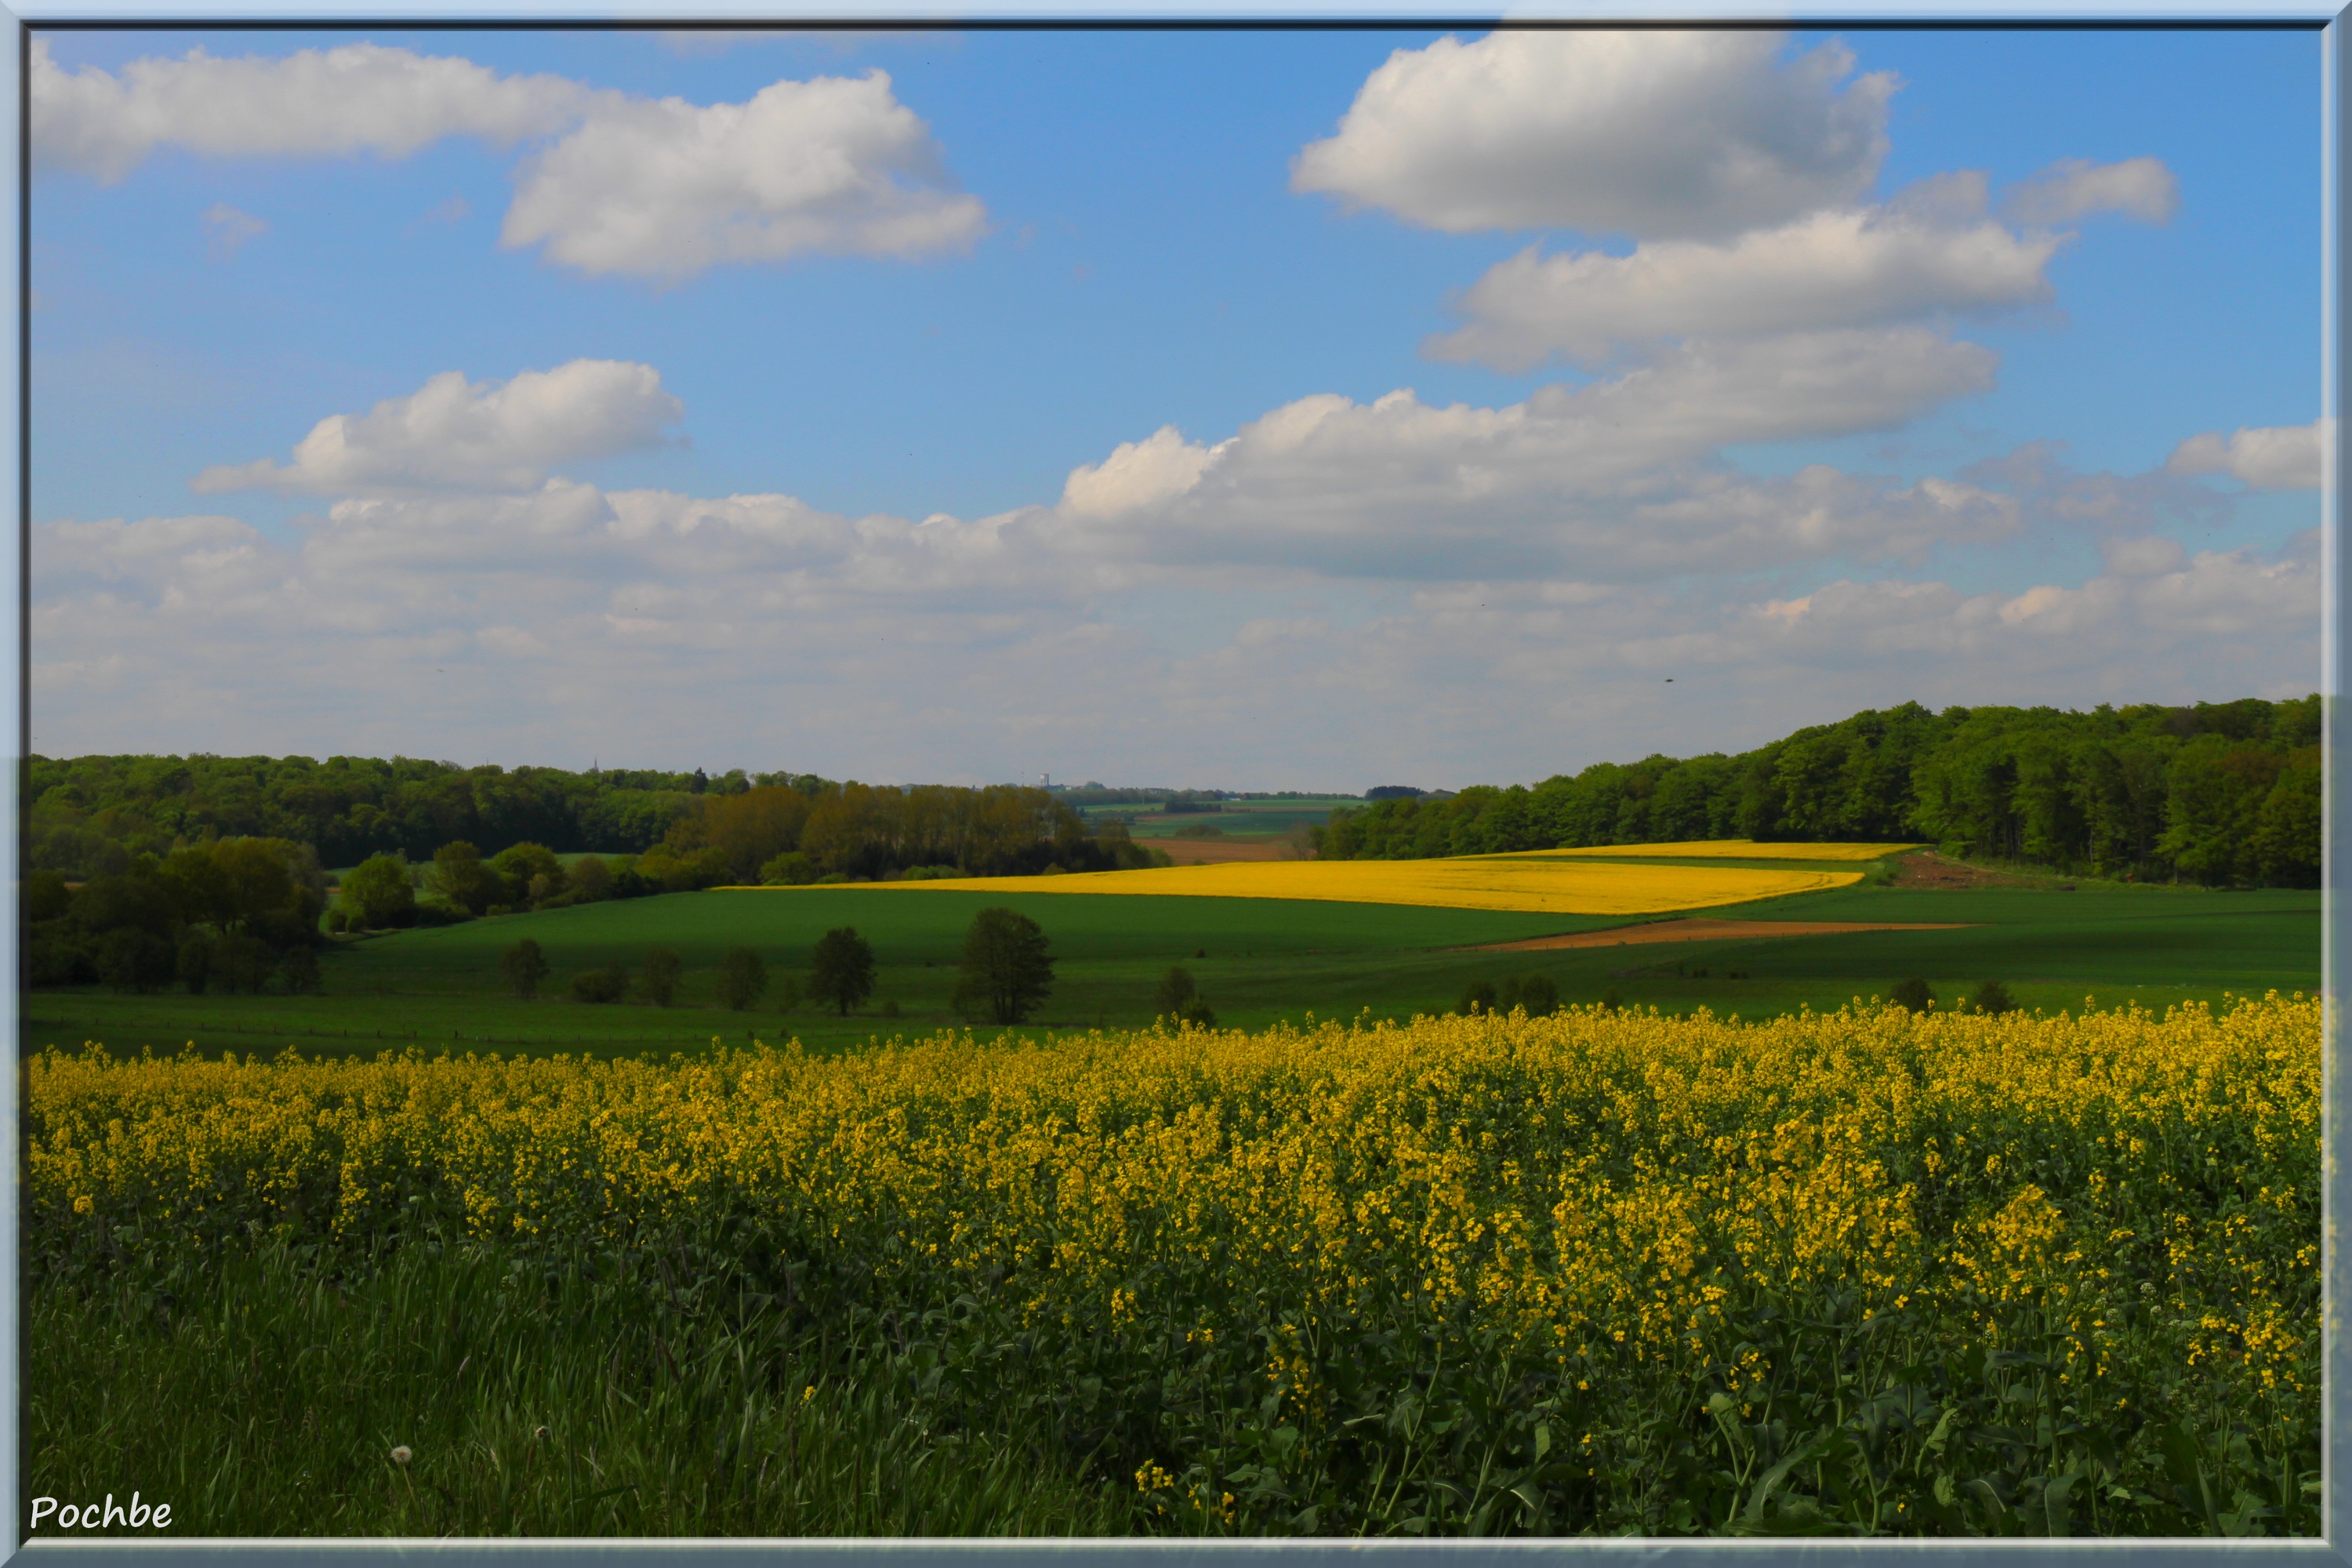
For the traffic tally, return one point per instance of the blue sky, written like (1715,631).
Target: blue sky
(2002,461)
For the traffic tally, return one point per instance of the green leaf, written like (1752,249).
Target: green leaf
(2054,1504)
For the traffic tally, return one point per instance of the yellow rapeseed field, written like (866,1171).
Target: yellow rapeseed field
(1577,1210)
(1733,849)
(1530,883)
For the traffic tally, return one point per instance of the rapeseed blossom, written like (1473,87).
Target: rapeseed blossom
(1579,1204)
(1537,883)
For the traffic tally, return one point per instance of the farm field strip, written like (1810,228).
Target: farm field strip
(1708,930)
(1724,849)
(1674,1251)
(1520,883)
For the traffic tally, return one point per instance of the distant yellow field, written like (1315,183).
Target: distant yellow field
(1732,849)
(1519,882)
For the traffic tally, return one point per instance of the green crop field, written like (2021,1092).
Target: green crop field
(1256,962)
(1239,819)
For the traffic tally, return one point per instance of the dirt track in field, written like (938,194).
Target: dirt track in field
(1707,930)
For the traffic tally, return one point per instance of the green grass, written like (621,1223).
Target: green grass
(261,1396)
(1256,962)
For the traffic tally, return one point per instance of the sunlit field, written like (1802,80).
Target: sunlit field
(1729,849)
(1865,1272)
(1539,884)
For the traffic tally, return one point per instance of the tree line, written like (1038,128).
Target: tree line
(93,815)
(1007,971)
(772,835)
(2223,793)
(236,914)
(147,918)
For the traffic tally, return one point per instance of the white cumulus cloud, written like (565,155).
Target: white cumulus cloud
(455,433)
(1656,134)
(2273,458)
(355,98)
(1842,268)
(2073,188)
(666,189)
(1613,480)
(1136,474)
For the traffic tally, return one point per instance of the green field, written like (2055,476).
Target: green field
(1239,819)
(1256,962)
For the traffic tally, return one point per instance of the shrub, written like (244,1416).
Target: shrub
(589,879)
(522,967)
(298,973)
(1538,996)
(1176,989)
(609,984)
(1479,996)
(195,966)
(129,958)
(790,870)
(743,979)
(660,981)
(242,964)
(380,893)
(1913,993)
(1992,996)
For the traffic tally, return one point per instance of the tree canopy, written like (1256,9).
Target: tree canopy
(2222,792)
(1008,967)
(842,970)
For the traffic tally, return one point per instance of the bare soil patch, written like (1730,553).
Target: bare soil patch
(1925,869)
(1708,930)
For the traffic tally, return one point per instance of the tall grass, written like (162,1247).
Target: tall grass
(263,1395)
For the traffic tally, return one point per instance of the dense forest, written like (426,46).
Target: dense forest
(197,871)
(2221,793)
(92,814)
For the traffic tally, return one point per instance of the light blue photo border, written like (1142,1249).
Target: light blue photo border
(2335,1547)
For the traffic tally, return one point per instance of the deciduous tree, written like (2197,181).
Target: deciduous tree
(658,979)
(1008,968)
(743,978)
(522,967)
(841,971)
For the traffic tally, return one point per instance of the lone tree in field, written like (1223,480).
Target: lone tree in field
(523,966)
(1006,967)
(1913,993)
(842,971)
(742,978)
(659,982)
